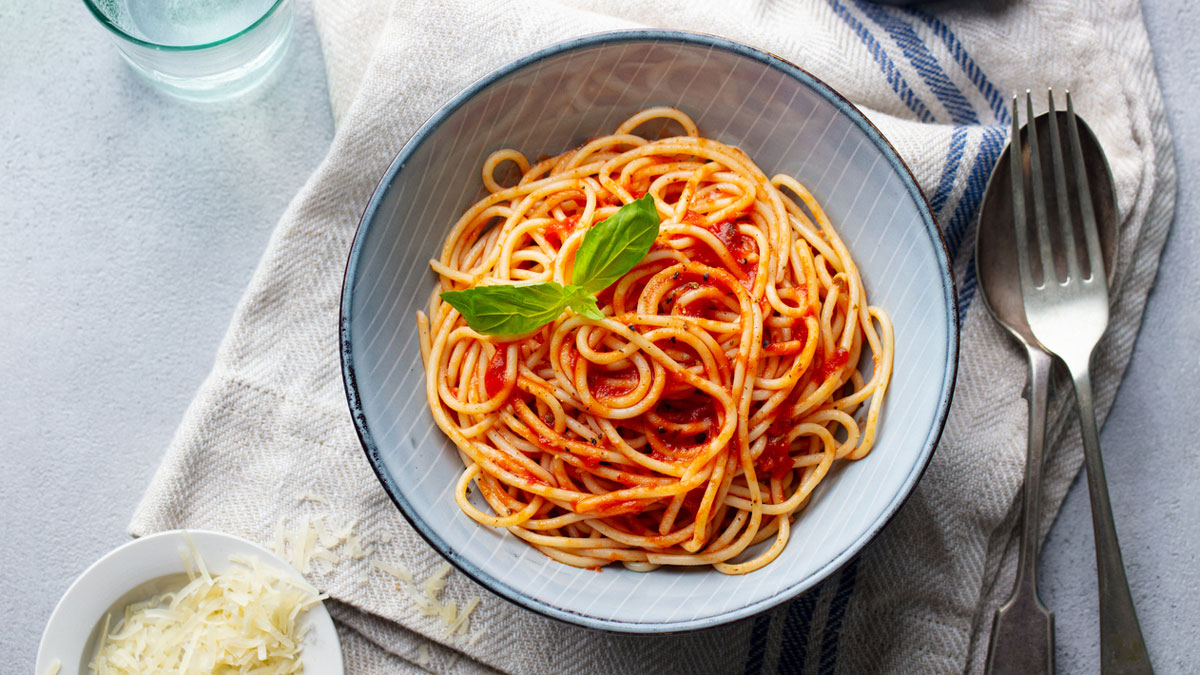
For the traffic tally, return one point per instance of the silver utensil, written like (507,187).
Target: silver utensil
(1066,307)
(1023,630)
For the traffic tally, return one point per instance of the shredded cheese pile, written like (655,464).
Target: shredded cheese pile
(244,620)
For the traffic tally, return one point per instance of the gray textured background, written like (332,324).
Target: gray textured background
(130,223)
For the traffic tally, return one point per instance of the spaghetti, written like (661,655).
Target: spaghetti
(696,418)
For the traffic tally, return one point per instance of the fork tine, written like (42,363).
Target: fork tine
(1060,186)
(1016,161)
(1041,220)
(1091,232)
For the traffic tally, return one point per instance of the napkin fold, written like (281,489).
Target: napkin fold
(267,446)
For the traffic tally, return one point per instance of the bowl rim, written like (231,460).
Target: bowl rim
(495,585)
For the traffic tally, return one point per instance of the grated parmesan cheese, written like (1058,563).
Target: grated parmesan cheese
(475,637)
(54,667)
(426,597)
(434,584)
(321,543)
(459,625)
(399,571)
(243,620)
(310,497)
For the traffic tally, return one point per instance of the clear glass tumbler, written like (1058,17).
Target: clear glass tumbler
(201,50)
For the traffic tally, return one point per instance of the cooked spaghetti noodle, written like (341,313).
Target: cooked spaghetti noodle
(697,417)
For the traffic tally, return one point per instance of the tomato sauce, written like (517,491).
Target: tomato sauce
(612,385)
(571,358)
(625,507)
(727,232)
(511,466)
(692,500)
(605,297)
(775,460)
(834,363)
(680,445)
(688,410)
(751,271)
(696,309)
(544,442)
(627,481)
(800,331)
(676,387)
(493,378)
(740,247)
(663,457)
(783,348)
(561,229)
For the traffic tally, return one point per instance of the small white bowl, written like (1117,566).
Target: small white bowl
(129,573)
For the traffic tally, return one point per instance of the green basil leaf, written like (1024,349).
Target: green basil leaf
(583,303)
(509,309)
(615,245)
(609,250)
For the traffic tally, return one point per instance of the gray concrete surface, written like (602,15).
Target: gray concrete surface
(1150,438)
(129,224)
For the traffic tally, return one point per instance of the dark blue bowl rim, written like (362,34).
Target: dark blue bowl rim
(496,585)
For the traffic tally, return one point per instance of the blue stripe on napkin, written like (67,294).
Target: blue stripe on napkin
(886,65)
(797,629)
(758,643)
(992,95)
(961,230)
(958,142)
(918,54)
(797,626)
(837,614)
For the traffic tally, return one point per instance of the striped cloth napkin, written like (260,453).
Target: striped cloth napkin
(267,447)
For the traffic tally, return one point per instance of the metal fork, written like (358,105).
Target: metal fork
(1068,316)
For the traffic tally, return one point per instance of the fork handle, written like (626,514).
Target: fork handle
(1023,632)
(1122,649)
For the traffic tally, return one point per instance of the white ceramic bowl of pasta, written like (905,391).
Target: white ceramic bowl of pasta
(137,570)
(787,122)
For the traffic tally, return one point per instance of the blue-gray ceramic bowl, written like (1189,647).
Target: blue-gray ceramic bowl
(788,121)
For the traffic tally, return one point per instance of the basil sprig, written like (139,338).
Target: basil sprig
(609,250)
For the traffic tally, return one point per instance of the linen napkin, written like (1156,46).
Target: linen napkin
(268,442)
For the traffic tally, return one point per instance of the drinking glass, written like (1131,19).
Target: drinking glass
(201,50)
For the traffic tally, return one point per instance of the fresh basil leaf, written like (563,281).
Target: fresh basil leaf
(583,303)
(609,250)
(615,245)
(509,309)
